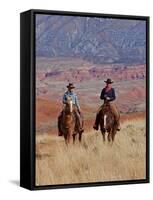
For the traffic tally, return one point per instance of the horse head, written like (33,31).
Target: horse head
(69,106)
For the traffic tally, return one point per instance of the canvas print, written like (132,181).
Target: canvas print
(90,99)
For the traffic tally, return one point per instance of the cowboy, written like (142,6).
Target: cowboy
(78,114)
(108,93)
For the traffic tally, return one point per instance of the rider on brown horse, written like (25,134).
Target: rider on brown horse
(108,93)
(77,111)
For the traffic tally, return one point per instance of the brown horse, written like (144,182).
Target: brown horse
(68,122)
(107,122)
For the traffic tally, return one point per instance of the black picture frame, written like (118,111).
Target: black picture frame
(27,99)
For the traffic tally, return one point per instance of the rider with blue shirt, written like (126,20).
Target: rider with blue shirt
(77,111)
(73,96)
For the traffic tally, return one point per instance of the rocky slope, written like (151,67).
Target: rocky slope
(79,70)
(100,40)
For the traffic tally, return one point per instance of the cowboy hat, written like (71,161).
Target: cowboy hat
(109,81)
(70,85)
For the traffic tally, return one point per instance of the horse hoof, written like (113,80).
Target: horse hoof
(103,130)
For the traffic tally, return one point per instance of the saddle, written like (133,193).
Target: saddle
(105,107)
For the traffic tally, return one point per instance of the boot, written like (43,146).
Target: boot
(118,126)
(95,126)
(60,134)
(81,130)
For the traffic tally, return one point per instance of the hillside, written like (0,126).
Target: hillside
(77,70)
(100,40)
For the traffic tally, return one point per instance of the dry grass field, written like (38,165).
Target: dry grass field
(92,160)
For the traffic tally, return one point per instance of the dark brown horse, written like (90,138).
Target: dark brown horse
(107,122)
(68,122)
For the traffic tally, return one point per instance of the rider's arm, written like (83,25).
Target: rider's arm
(102,94)
(64,99)
(113,97)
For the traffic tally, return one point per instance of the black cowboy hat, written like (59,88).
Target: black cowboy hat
(70,85)
(109,81)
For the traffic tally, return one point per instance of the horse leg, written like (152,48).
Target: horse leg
(113,135)
(66,141)
(109,136)
(103,134)
(70,133)
(74,138)
(68,138)
(80,137)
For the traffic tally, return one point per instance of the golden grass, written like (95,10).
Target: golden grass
(92,161)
